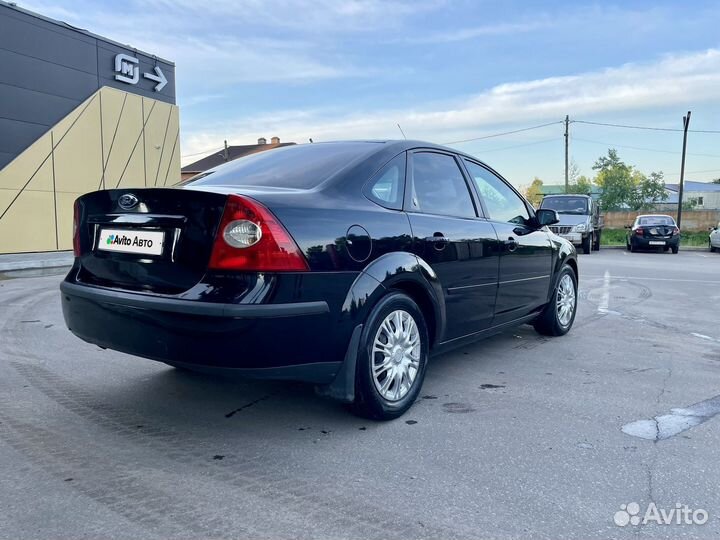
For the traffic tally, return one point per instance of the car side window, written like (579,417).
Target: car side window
(386,188)
(502,203)
(439,186)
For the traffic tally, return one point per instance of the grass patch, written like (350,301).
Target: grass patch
(616,237)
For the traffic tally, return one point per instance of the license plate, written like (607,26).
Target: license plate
(131,241)
(657,242)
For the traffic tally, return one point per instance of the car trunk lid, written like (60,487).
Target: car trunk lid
(150,239)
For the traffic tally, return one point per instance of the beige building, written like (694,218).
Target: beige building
(70,124)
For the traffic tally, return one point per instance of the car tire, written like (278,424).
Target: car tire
(627,245)
(675,249)
(379,390)
(712,249)
(587,244)
(552,321)
(596,243)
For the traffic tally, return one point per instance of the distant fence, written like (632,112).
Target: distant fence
(692,220)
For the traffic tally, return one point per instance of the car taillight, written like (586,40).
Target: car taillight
(250,238)
(76,229)
(676,231)
(639,231)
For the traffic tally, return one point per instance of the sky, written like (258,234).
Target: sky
(446,71)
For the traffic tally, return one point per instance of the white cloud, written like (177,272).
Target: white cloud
(680,80)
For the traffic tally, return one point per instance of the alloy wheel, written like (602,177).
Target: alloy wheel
(396,355)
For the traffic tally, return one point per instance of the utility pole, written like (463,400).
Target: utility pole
(226,155)
(686,125)
(567,177)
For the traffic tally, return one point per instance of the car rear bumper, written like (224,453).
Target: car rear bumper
(279,341)
(644,243)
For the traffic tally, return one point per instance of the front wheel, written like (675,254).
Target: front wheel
(596,243)
(587,244)
(392,358)
(558,316)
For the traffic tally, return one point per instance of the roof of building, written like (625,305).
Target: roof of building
(234,152)
(707,187)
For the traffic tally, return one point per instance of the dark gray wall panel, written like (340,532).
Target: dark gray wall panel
(106,62)
(33,107)
(17,136)
(40,41)
(47,68)
(6,158)
(33,74)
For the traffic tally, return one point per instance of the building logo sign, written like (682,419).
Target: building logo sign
(127,70)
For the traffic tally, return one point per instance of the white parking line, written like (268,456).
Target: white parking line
(646,278)
(703,336)
(605,299)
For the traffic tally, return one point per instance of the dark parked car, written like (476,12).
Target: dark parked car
(656,232)
(341,264)
(580,220)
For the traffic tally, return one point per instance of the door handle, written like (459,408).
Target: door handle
(511,244)
(438,240)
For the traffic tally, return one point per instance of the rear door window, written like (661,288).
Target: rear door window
(439,187)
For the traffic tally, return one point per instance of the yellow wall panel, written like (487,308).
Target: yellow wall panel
(127,140)
(146,145)
(78,156)
(156,136)
(62,127)
(112,106)
(173,172)
(65,202)
(29,225)
(135,171)
(16,173)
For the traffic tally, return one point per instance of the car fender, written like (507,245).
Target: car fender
(393,271)
(564,252)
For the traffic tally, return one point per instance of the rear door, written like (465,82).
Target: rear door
(460,246)
(526,256)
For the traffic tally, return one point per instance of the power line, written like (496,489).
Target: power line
(200,153)
(554,139)
(611,145)
(505,133)
(651,128)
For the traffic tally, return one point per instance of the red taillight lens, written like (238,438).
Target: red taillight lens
(676,231)
(270,250)
(639,231)
(76,229)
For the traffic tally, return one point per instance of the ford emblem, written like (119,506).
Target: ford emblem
(128,201)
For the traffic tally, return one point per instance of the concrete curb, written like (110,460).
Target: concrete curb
(35,261)
(682,248)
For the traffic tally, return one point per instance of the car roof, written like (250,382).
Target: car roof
(567,195)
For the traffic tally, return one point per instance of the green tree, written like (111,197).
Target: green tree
(716,181)
(534,192)
(652,190)
(616,180)
(581,186)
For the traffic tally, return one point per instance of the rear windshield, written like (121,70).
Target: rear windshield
(302,166)
(565,205)
(656,220)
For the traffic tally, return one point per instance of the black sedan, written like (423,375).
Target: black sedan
(341,264)
(655,232)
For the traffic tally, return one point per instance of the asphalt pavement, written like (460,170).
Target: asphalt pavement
(519,435)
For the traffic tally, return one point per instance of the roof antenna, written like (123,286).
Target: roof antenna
(401,131)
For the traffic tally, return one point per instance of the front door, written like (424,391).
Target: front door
(526,251)
(459,246)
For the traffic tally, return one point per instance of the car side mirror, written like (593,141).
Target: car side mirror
(545,216)
(628,226)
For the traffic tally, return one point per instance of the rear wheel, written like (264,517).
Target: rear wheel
(558,316)
(596,244)
(587,244)
(391,359)
(712,249)
(675,249)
